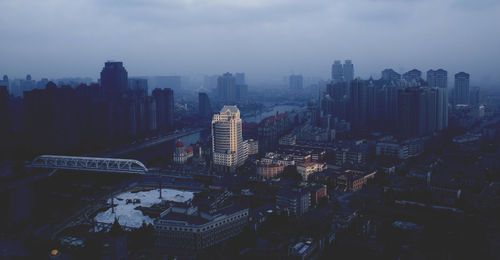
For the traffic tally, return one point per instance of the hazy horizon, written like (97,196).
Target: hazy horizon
(265,39)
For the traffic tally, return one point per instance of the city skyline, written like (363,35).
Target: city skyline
(250,129)
(271,39)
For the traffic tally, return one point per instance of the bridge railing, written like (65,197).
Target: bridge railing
(89,164)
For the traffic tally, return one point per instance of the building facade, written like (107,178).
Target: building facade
(227,141)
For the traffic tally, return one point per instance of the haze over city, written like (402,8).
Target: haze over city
(266,39)
(250,129)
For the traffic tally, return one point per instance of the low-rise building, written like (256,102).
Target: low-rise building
(306,169)
(269,170)
(317,191)
(289,139)
(182,154)
(388,146)
(185,228)
(294,201)
(354,180)
(281,159)
(253,147)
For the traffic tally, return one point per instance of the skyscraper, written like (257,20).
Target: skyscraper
(441,108)
(390,75)
(295,82)
(240,78)
(411,112)
(437,78)
(226,88)
(204,107)
(474,96)
(139,86)
(228,148)
(164,108)
(358,103)
(461,90)
(5,82)
(337,71)
(114,78)
(413,76)
(348,69)
(4,112)
(417,111)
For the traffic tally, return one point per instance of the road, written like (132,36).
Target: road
(151,142)
(13,184)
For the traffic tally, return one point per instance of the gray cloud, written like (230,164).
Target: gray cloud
(265,38)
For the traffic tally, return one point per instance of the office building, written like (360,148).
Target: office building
(295,82)
(164,108)
(437,78)
(337,71)
(461,90)
(114,79)
(413,76)
(294,202)
(418,111)
(138,86)
(227,89)
(204,106)
(186,229)
(240,78)
(348,69)
(228,149)
(474,96)
(390,75)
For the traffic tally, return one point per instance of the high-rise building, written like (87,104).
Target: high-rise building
(228,149)
(295,82)
(269,131)
(411,112)
(226,88)
(164,109)
(4,112)
(337,71)
(442,108)
(348,69)
(114,78)
(461,90)
(417,111)
(413,76)
(390,75)
(139,86)
(240,78)
(5,82)
(474,96)
(437,78)
(50,119)
(204,107)
(358,103)
(210,82)
(27,84)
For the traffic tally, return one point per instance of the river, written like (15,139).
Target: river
(276,109)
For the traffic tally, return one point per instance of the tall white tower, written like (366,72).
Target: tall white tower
(228,149)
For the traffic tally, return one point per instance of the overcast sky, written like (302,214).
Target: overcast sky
(267,39)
